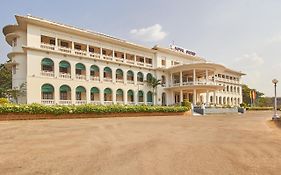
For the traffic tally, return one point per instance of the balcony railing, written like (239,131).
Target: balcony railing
(65,75)
(95,55)
(120,102)
(107,57)
(140,83)
(130,81)
(47,46)
(64,49)
(95,78)
(80,77)
(65,102)
(119,81)
(191,83)
(47,101)
(80,102)
(131,103)
(107,79)
(47,73)
(95,102)
(80,52)
(91,54)
(108,102)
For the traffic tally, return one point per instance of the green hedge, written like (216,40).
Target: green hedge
(86,109)
(258,108)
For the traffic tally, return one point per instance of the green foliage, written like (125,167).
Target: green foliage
(246,96)
(86,109)
(153,82)
(5,81)
(258,108)
(186,103)
(3,101)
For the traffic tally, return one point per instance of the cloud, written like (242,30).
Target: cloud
(252,60)
(149,34)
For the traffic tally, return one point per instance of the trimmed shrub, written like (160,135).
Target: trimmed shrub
(86,109)
(186,103)
(258,108)
(3,101)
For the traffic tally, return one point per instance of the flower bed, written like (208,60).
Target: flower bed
(37,111)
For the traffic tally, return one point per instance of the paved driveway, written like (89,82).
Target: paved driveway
(223,144)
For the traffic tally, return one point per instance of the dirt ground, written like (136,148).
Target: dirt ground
(222,144)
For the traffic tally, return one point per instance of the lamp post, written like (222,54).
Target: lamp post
(275,116)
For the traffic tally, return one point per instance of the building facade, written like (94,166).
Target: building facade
(61,64)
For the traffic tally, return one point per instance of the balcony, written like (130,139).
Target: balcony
(64,49)
(106,57)
(80,102)
(130,82)
(119,81)
(120,102)
(80,77)
(94,55)
(65,102)
(47,102)
(148,65)
(95,102)
(65,75)
(107,79)
(130,61)
(47,46)
(140,63)
(80,52)
(95,78)
(108,102)
(47,73)
(119,59)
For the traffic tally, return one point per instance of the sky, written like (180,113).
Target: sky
(244,35)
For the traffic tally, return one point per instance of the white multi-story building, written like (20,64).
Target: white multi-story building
(61,64)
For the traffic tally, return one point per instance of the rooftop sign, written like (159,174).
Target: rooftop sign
(181,49)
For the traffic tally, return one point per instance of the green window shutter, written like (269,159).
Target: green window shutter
(107,69)
(130,73)
(140,94)
(95,90)
(47,88)
(80,89)
(107,91)
(64,64)
(119,92)
(119,72)
(94,68)
(64,88)
(149,96)
(130,93)
(47,62)
(140,75)
(80,66)
(148,76)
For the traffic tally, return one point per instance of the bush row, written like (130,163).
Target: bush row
(258,108)
(85,109)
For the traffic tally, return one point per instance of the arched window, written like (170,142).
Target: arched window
(140,96)
(64,67)
(80,93)
(95,94)
(130,76)
(80,69)
(119,74)
(163,80)
(149,97)
(94,72)
(148,77)
(119,95)
(140,77)
(47,91)
(47,65)
(107,94)
(107,73)
(65,92)
(130,96)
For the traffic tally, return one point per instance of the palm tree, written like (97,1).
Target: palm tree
(153,82)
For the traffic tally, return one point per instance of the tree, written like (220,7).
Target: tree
(17,92)
(5,81)
(247,99)
(153,82)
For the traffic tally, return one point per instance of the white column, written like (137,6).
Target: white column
(194,76)
(194,96)
(180,78)
(73,95)
(73,70)
(57,94)
(207,98)
(181,96)
(101,53)
(101,73)
(125,76)
(88,95)
(135,77)
(101,96)
(114,76)
(171,79)
(125,97)
(88,72)
(214,98)
(114,96)
(113,55)
(207,76)
(136,97)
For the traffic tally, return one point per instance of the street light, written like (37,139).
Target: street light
(275,116)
